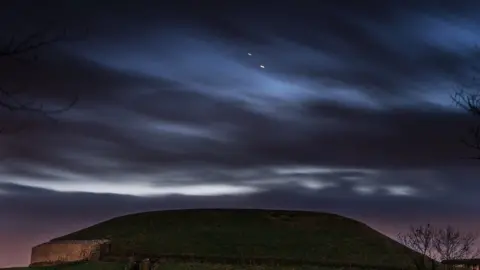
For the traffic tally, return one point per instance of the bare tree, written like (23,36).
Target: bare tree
(26,49)
(451,243)
(420,239)
(437,244)
(470,102)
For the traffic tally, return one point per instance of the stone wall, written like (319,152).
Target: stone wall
(55,252)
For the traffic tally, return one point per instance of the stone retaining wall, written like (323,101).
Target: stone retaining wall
(56,252)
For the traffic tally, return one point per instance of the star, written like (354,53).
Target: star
(250,54)
(262,66)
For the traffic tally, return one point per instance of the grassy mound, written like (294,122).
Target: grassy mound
(78,266)
(173,266)
(295,235)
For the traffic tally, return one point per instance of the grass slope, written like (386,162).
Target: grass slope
(297,235)
(79,266)
(172,266)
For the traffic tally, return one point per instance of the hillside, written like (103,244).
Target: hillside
(297,235)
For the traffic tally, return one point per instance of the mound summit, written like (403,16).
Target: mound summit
(230,233)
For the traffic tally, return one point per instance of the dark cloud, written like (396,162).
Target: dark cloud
(355,137)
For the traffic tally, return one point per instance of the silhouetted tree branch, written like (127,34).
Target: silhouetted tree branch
(470,102)
(419,239)
(437,244)
(22,48)
(451,243)
(30,43)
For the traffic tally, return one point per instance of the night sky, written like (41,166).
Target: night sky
(351,113)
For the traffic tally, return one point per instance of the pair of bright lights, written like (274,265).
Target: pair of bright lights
(262,66)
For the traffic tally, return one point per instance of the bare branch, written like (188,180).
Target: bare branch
(12,103)
(419,239)
(18,47)
(470,102)
(32,42)
(451,243)
(438,244)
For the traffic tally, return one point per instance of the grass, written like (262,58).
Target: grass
(79,266)
(296,235)
(172,266)
(211,266)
